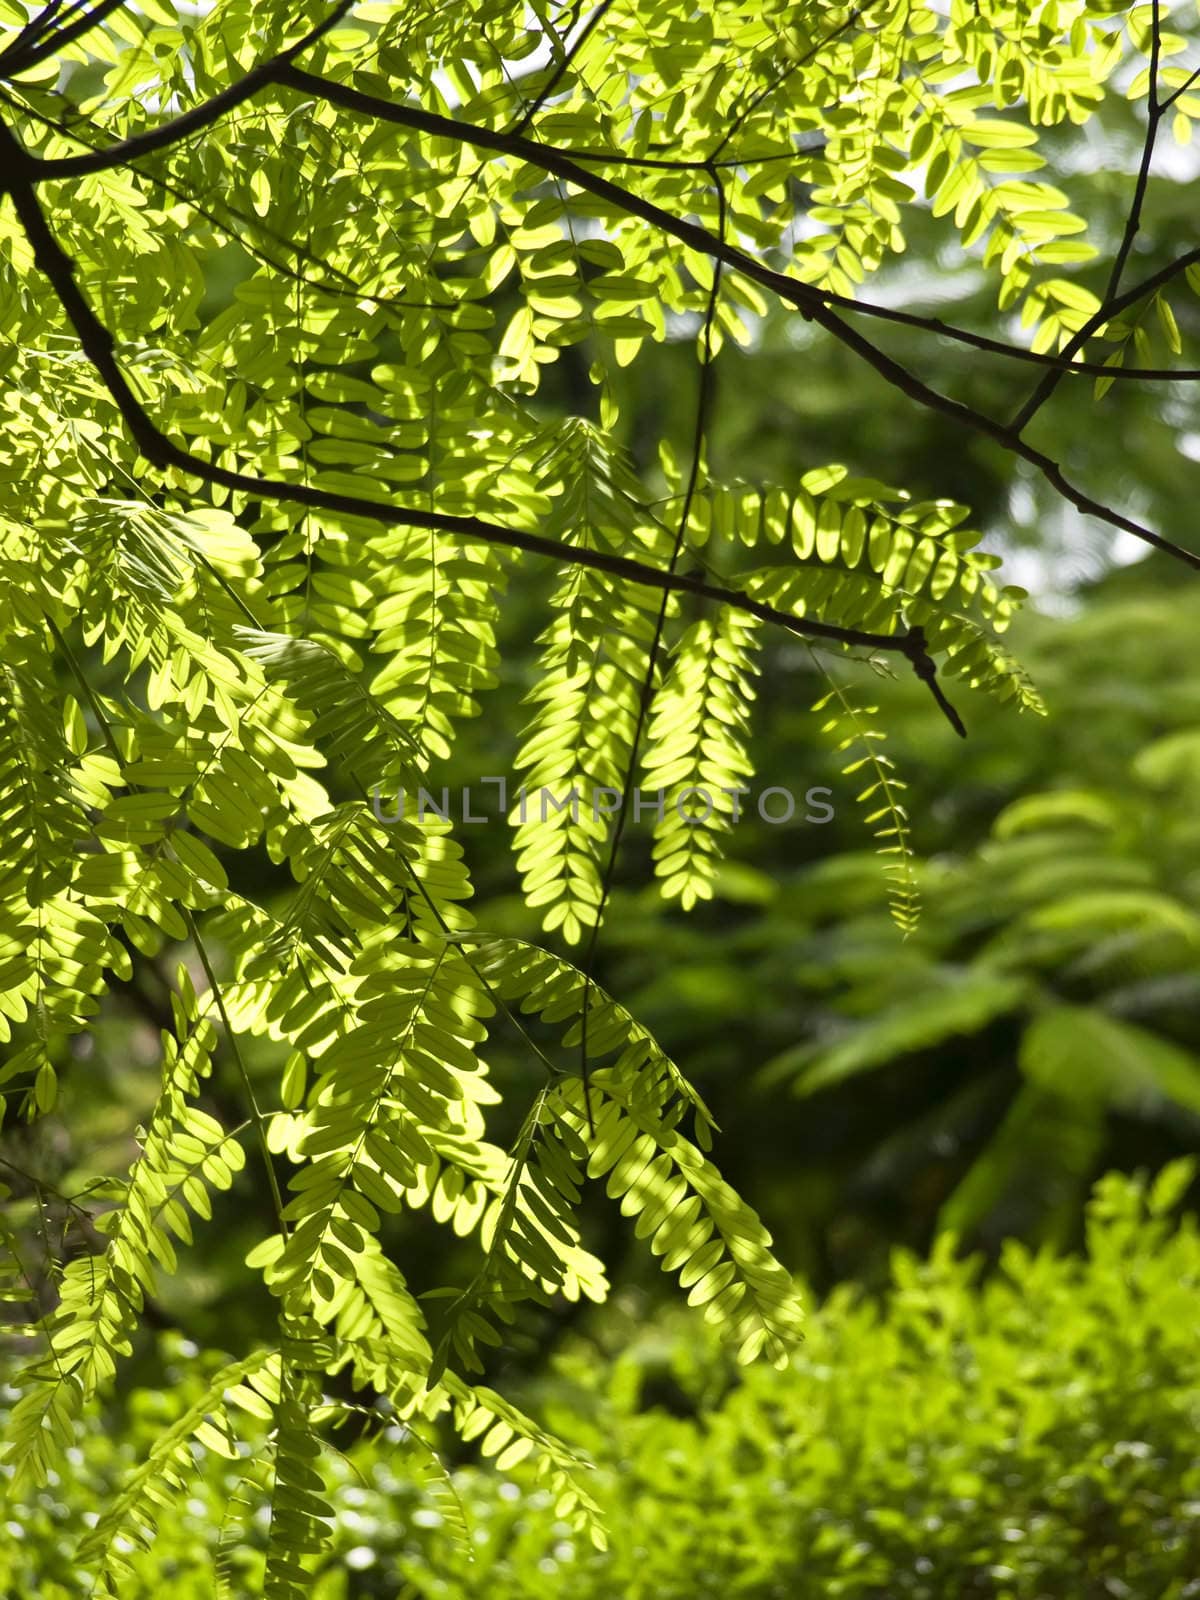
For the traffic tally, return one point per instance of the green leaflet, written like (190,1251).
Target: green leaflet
(856,738)
(185,1152)
(698,742)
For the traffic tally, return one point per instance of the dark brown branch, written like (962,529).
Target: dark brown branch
(1132,223)
(47,39)
(809,301)
(277,71)
(97,344)
(198,118)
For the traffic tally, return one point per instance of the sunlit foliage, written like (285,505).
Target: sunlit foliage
(285,520)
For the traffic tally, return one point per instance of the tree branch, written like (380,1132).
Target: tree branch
(280,71)
(195,120)
(1051,381)
(35,29)
(45,40)
(347,288)
(809,301)
(97,344)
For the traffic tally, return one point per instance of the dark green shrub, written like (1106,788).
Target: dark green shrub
(1030,1437)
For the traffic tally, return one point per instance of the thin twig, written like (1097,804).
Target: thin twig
(1132,222)
(1153,118)
(1165,105)
(199,117)
(563,67)
(703,406)
(781,77)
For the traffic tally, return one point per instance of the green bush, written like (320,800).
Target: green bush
(1034,1436)
(1030,1436)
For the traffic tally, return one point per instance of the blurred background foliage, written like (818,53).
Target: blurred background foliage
(1040,1027)
(1027,1435)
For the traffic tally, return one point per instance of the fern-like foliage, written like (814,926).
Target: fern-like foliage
(184,1154)
(855,737)
(866,556)
(266,543)
(53,950)
(129,1521)
(578,748)
(697,751)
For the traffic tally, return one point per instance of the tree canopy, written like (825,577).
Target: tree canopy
(327,337)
